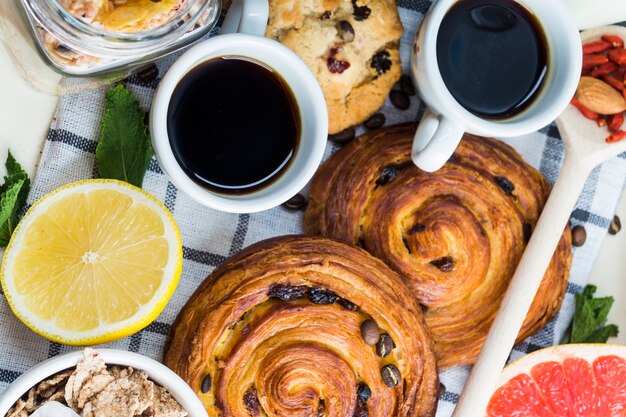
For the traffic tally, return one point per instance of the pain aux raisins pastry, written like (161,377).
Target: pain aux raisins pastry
(455,236)
(350,45)
(305,326)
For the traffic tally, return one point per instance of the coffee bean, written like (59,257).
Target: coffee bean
(295,203)
(615,226)
(388,174)
(322,296)
(506,185)
(206,384)
(399,99)
(360,12)
(370,332)
(381,62)
(579,236)
(287,292)
(442,389)
(445,264)
(363,392)
(391,375)
(148,74)
(344,136)
(375,121)
(406,85)
(384,346)
(251,401)
(346,31)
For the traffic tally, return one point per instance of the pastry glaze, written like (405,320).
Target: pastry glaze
(455,236)
(295,352)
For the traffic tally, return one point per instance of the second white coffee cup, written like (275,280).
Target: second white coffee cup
(445,120)
(249,18)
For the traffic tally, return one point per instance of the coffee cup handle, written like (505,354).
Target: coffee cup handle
(246,16)
(435,140)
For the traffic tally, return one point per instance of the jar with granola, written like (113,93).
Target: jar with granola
(95,42)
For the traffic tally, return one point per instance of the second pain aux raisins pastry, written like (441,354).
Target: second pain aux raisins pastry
(276,331)
(455,236)
(350,45)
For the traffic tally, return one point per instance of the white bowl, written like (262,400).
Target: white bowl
(156,371)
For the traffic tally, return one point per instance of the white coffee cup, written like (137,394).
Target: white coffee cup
(445,120)
(249,19)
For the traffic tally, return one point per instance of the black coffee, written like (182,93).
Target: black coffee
(233,125)
(492,56)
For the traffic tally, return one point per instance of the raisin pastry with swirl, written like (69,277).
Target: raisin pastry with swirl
(455,236)
(350,45)
(276,331)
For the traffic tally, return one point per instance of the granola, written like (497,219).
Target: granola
(94,389)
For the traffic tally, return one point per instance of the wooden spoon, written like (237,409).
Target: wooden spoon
(585,148)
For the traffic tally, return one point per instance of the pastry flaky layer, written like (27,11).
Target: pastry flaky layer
(455,236)
(276,331)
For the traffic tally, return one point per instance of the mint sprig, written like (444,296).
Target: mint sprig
(13,193)
(590,316)
(124,150)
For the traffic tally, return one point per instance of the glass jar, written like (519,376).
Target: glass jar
(97,42)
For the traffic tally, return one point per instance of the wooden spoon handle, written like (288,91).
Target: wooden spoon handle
(522,289)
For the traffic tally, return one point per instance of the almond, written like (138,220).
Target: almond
(600,97)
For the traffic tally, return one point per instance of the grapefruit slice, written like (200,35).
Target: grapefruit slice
(564,381)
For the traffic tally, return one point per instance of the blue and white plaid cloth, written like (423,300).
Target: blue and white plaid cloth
(209,236)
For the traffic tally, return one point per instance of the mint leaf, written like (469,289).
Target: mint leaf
(602,334)
(13,194)
(8,212)
(590,316)
(124,150)
(14,173)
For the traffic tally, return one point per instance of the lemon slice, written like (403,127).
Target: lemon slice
(92,262)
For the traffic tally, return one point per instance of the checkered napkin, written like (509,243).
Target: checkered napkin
(209,236)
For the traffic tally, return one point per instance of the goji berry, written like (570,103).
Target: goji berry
(614,82)
(615,122)
(595,47)
(583,110)
(590,61)
(604,69)
(614,40)
(615,137)
(619,73)
(618,55)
